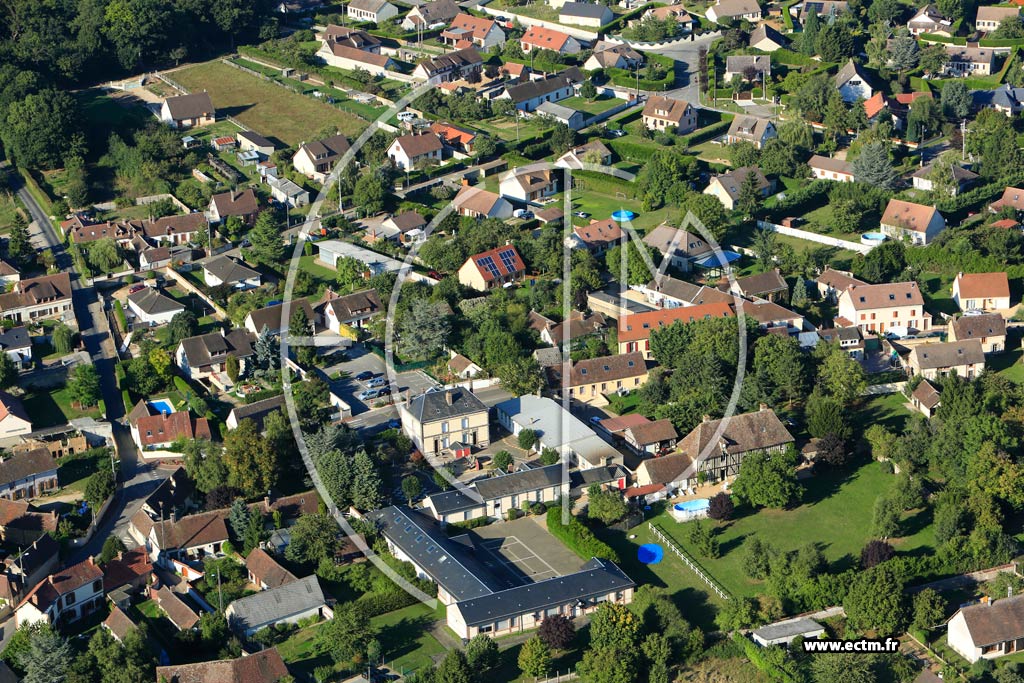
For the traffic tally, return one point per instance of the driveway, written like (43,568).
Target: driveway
(686,56)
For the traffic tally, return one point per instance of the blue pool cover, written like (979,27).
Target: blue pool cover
(650,553)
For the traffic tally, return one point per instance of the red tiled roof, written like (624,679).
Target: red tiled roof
(983,285)
(157,429)
(639,325)
(500,268)
(546,38)
(126,568)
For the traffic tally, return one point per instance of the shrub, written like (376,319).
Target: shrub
(578,537)
(122,322)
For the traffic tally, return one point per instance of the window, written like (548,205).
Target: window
(69,598)
(444,427)
(465,423)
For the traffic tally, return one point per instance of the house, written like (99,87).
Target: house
(928,19)
(453,66)
(766,39)
(430,14)
(607,55)
(680,247)
(476,202)
(264,571)
(1013,198)
(350,37)
(876,308)
(826,9)
(439,421)
(988,328)
(249,141)
(593,152)
(343,56)
(205,356)
(573,330)
(541,38)
(774,318)
(530,183)
(38,298)
(830,168)
(661,113)
(531,94)
(129,571)
(668,292)
(286,192)
(981,291)
(410,225)
(189,538)
(8,273)
(466,30)
(963,358)
(411,151)
(21,523)
(726,11)
(265,666)
(92,232)
(462,367)
(63,597)
(573,118)
(727,187)
(288,603)
(28,475)
(493,268)
(316,159)
(256,411)
(852,83)
(375,11)
(750,129)
(599,236)
(831,283)
(36,561)
(243,205)
(961,178)
(151,307)
(1007,99)
(496,495)
(477,600)
(188,111)
(915,223)
(926,398)
(769,285)
(163,256)
(651,437)
(180,229)
(457,138)
(159,431)
(275,318)
(329,252)
(177,611)
(592,14)
(297,6)
(557,429)
(723,443)
(681,15)
(849,339)
(968,61)
(224,270)
(750,68)
(673,470)
(17,344)
(591,380)
(634,332)
(987,630)
(348,311)
(989,18)
(784,632)
(118,624)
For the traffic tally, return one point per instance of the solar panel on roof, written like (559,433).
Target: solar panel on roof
(487,263)
(508,259)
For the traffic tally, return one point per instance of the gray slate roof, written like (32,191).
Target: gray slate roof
(788,629)
(152,302)
(494,488)
(229,270)
(588,10)
(432,406)
(276,604)
(15,338)
(949,354)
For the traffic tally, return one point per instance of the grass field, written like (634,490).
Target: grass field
(595,106)
(74,470)
(47,409)
(269,109)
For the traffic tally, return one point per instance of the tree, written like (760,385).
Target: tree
(876,552)
(62,339)
(250,459)
(704,540)
(535,658)
(265,237)
(84,385)
(706,209)
(797,134)
(956,99)
(742,154)
(933,59)
(238,518)
(835,42)
(366,482)
(549,456)
(832,451)
(904,53)
(41,129)
(614,625)
(19,246)
(779,158)
(481,653)
(112,545)
(47,657)
(100,486)
(370,193)
(885,262)
(768,480)
(843,668)
(501,461)
(411,487)
(750,193)
(424,329)
(232,368)
(1009,28)
(8,371)
(637,270)
(608,665)
(346,636)
(658,651)
(809,37)
(825,416)
(588,90)
(875,601)
(204,464)
(885,520)
(300,328)
(520,375)
(607,507)
(929,609)
(720,506)
(873,166)
(453,669)
(104,255)
(841,376)
(182,326)
(313,538)
(557,632)
(527,439)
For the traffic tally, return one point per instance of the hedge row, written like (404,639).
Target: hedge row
(577,537)
(707,133)
(629,150)
(627,79)
(122,321)
(790,58)
(375,604)
(756,656)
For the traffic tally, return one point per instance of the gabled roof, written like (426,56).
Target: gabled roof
(267,570)
(525,92)
(927,395)
(759,430)
(497,263)
(234,203)
(15,338)
(257,411)
(766,32)
(369,5)
(205,349)
(125,568)
(997,14)
(652,432)
(177,610)
(66,580)
(354,306)
(736,8)
(983,285)
(677,241)
(152,302)
(667,109)
(191,531)
(740,63)
(979,326)
(749,128)
(229,271)
(328,149)
(271,316)
(837,279)
(356,55)
(586,10)
(831,164)
(159,429)
(599,233)
(547,38)
(948,354)
(37,290)
(689,293)
(607,368)
(849,71)
(418,145)
(191,106)
(446,404)
(760,284)
(23,465)
(11,405)
(459,59)
(476,27)
(874,104)
(265,666)
(435,12)
(973,55)
(351,37)
(732,182)
(476,199)
(639,325)
(908,215)
(254,138)
(994,622)
(119,623)
(183,224)
(666,469)
(888,295)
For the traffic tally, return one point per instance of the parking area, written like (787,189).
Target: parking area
(523,551)
(359,361)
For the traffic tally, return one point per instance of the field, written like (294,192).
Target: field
(595,106)
(47,409)
(269,109)
(10,206)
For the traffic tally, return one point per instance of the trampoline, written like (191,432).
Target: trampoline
(650,553)
(623,215)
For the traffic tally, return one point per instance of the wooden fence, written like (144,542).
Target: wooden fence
(688,561)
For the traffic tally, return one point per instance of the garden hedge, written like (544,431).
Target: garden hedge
(577,537)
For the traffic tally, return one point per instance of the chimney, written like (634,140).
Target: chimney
(174,516)
(91,561)
(120,555)
(705,418)
(764,407)
(448,397)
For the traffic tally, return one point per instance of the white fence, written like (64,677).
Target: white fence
(664,45)
(815,237)
(887,388)
(681,554)
(581,33)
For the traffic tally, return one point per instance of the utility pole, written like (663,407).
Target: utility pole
(963,139)
(220,594)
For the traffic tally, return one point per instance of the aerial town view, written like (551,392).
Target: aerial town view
(511,341)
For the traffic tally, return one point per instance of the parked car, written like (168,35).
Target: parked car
(368,394)
(364,375)
(394,423)
(136,288)
(377,382)
(616,133)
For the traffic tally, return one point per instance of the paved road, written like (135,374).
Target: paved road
(685,55)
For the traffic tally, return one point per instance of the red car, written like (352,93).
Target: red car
(136,288)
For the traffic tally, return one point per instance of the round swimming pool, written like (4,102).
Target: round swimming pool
(872,239)
(623,215)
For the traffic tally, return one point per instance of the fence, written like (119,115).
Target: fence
(598,118)
(688,561)
(559,677)
(815,237)
(530,21)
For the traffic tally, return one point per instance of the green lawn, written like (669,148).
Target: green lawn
(506,128)
(318,271)
(836,514)
(265,107)
(596,106)
(74,470)
(1008,364)
(888,410)
(48,409)
(937,292)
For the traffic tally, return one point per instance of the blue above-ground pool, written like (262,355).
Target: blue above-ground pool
(650,553)
(623,215)
(162,405)
(693,505)
(872,238)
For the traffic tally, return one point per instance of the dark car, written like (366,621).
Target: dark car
(364,375)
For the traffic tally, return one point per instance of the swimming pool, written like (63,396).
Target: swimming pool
(691,509)
(623,215)
(872,238)
(162,405)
